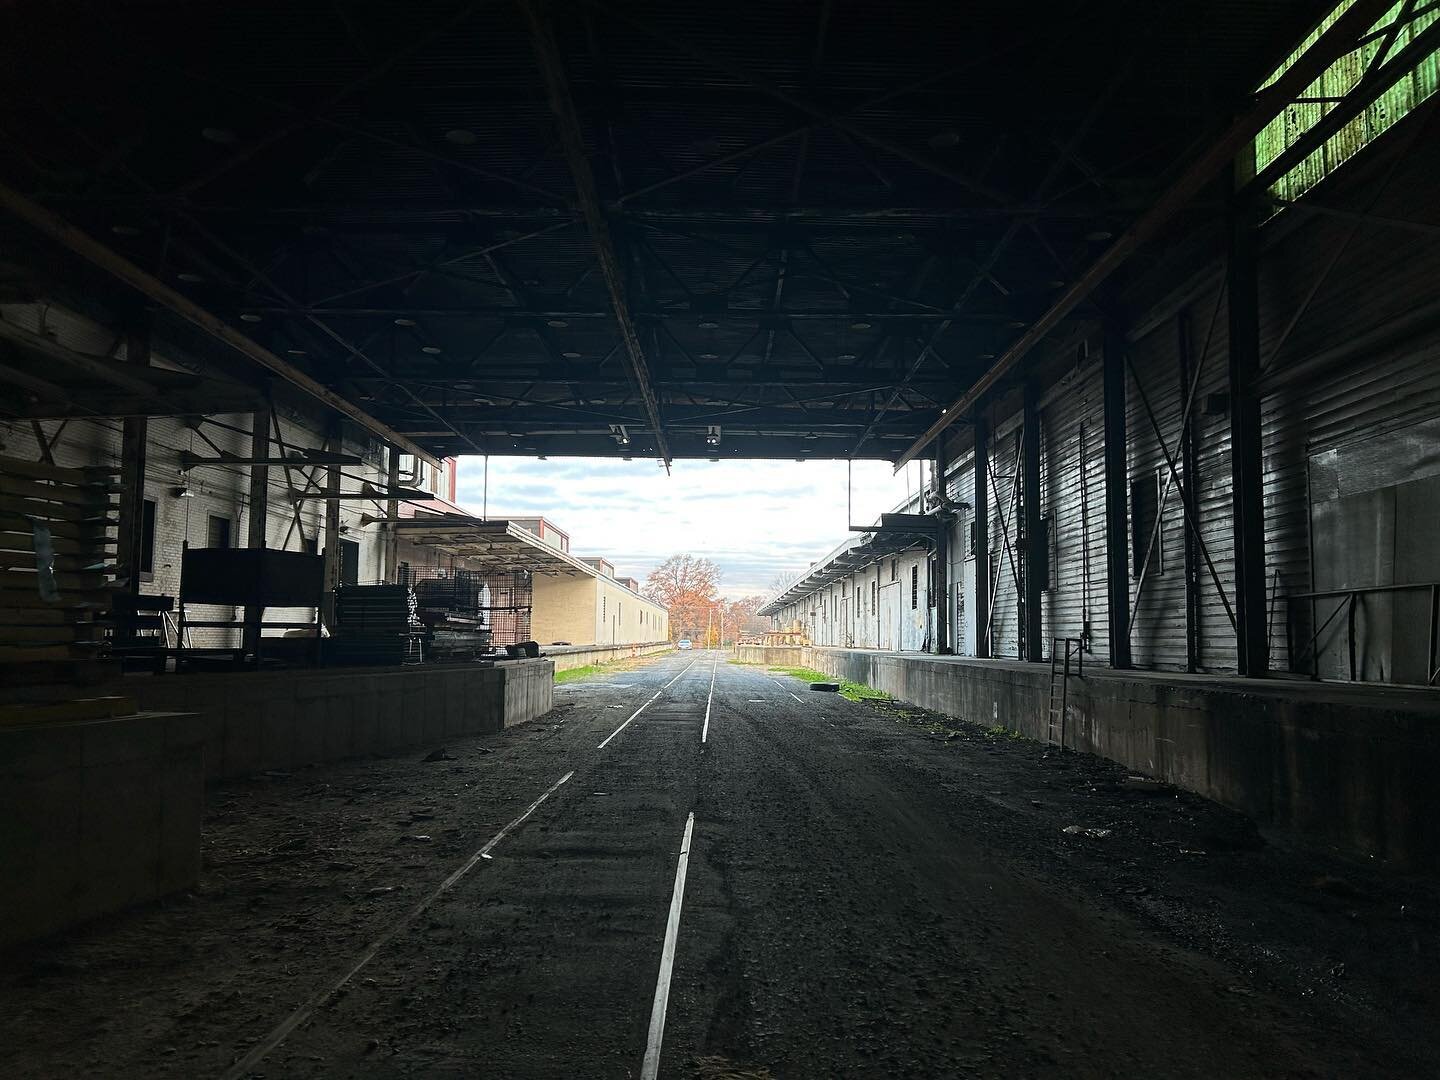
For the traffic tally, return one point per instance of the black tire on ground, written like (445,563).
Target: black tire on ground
(825,687)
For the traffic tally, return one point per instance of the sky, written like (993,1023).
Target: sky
(754,519)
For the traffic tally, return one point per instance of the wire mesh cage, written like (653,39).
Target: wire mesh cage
(492,604)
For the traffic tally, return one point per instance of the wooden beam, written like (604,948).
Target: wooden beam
(1217,157)
(88,248)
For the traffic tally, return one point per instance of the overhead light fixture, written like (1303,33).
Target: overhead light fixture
(558,324)
(1017,324)
(1100,234)
(846,356)
(987,356)
(182,492)
(712,435)
(461,137)
(249,316)
(709,356)
(432,350)
(222,136)
(571,355)
(944,140)
(859,326)
(295,352)
(404,322)
(125,230)
(186,275)
(709,324)
(619,434)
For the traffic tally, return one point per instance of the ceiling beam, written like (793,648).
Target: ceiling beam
(1335,42)
(572,141)
(91,250)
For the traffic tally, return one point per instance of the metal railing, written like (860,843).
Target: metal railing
(1350,604)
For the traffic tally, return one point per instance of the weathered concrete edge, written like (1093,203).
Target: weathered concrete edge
(1355,774)
(565,657)
(252,722)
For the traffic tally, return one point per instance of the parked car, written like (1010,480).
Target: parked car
(683,643)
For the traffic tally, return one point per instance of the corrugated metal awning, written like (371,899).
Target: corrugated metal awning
(500,544)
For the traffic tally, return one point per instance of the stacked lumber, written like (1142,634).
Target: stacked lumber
(57,560)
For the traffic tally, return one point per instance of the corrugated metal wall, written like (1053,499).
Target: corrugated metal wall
(1350,350)
(1072,495)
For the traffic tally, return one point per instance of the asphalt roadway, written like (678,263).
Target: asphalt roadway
(698,869)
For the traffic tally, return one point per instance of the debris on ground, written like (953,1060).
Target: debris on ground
(438,755)
(1145,785)
(1080,830)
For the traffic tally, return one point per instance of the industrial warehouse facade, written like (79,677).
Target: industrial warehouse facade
(1230,474)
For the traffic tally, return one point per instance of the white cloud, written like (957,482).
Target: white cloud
(753,518)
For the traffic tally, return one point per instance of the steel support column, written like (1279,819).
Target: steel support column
(981,498)
(1117,498)
(392,511)
(1190,467)
(1247,496)
(940,586)
(257,509)
(134,435)
(332,527)
(1032,647)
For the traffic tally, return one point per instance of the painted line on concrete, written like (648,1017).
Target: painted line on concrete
(647,704)
(705,731)
(797,697)
(650,1068)
(282,1031)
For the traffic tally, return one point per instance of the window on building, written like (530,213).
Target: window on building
(147,539)
(1145,511)
(970,537)
(1406,87)
(894,569)
(874,593)
(349,562)
(914,586)
(217,532)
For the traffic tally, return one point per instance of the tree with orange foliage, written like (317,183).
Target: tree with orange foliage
(689,589)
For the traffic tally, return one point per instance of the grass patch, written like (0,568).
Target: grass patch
(851,691)
(629,663)
(571,674)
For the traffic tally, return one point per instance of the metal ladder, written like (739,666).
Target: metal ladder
(1058,704)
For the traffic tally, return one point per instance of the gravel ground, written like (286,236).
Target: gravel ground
(872,891)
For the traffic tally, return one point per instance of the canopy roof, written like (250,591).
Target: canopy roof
(664,228)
